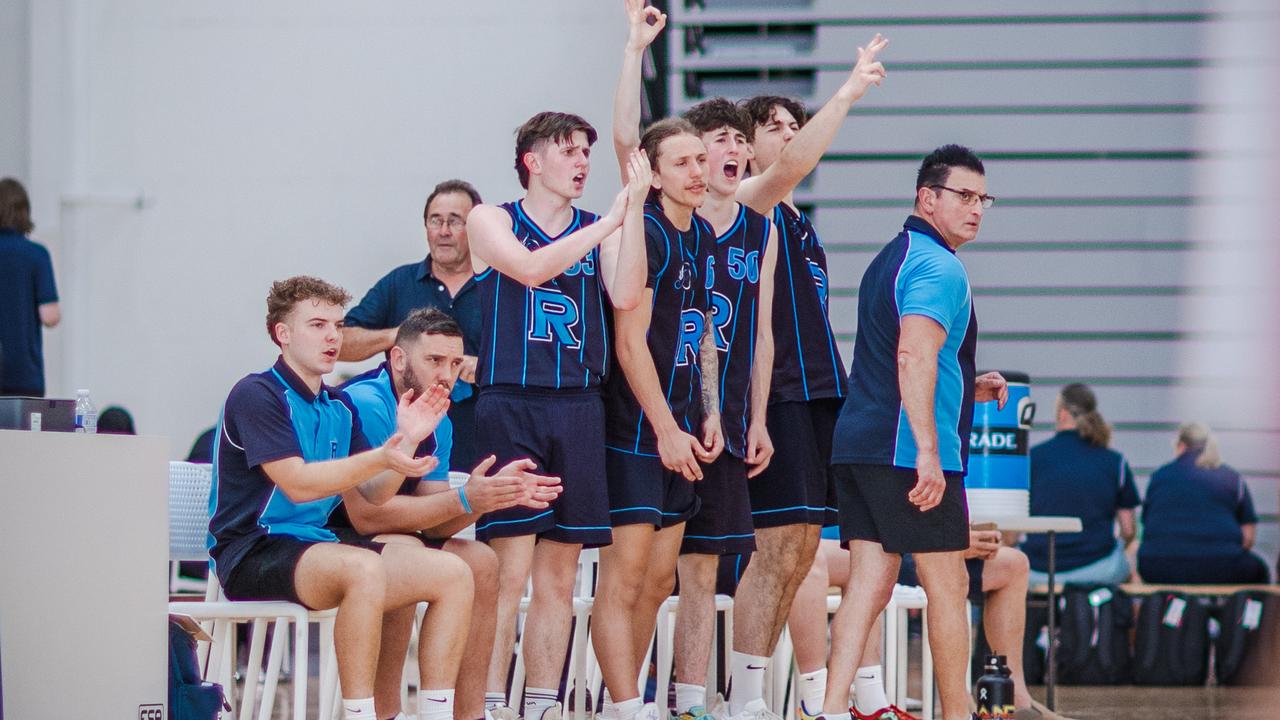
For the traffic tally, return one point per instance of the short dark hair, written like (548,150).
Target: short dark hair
(760,109)
(427,321)
(547,127)
(937,165)
(15,207)
(451,186)
(657,133)
(711,115)
(115,420)
(287,293)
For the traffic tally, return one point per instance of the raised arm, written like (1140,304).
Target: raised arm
(759,444)
(920,340)
(622,254)
(644,23)
(762,192)
(493,244)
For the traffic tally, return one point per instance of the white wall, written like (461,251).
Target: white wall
(14,69)
(267,140)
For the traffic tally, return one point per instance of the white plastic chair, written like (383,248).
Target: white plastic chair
(189,487)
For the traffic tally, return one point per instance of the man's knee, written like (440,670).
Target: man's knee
(1009,568)
(779,551)
(698,574)
(480,558)
(943,574)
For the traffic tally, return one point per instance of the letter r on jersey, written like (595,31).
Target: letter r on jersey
(553,317)
(691,324)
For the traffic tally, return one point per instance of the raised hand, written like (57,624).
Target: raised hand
(759,449)
(538,490)
(639,178)
(403,463)
(618,211)
(645,22)
(867,71)
(416,419)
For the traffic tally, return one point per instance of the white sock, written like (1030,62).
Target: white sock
(359,709)
(690,696)
(435,704)
(494,700)
(868,690)
(838,716)
(747,674)
(628,709)
(400,716)
(813,690)
(536,702)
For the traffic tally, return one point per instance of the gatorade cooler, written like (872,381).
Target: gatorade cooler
(999,479)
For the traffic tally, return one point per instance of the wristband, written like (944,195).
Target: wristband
(462,496)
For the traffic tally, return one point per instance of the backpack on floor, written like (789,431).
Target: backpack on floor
(1093,647)
(1035,641)
(1172,645)
(190,698)
(1247,651)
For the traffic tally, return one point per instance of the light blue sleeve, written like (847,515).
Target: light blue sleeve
(933,284)
(378,426)
(444,449)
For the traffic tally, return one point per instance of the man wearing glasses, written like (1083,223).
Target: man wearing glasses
(900,446)
(443,280)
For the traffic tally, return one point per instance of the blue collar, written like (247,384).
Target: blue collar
(291,380)
(918,224)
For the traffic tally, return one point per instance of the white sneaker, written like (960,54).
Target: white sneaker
(650,711)
(501,712)
(756,710)
(551,713)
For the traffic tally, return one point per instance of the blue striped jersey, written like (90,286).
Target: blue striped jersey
(550,336)
(806,361)
(675,261)
(270,416)
(733,277)
(915,274)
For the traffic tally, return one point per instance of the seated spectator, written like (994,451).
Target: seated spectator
(997,579)
(115,420)
(1198,520)
(202,449)
(1074,473)
(287,447)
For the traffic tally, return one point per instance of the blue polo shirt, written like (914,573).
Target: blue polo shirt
(917,273)
(375,397)
(1192,511)
(270,416)
(26,283)
(1070,476)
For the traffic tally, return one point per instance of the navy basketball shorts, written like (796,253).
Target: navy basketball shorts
(874,507)
(796,487)
(562,431)
(642,491)
(266,572)
(722,525)
(729,573)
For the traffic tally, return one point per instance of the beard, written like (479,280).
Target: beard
(411,382)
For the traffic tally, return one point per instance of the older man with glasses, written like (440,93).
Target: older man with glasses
(443,280)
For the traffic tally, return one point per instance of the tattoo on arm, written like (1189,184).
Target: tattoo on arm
(709,361)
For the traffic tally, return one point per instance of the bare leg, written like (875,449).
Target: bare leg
(353,580)
(946,583)
(872,572)
(623,566)
(1004,580)
(781,561)
(659,583)
(397,629)
(472,677)
(695,617)
(550,618)
(808,618)
(515,559)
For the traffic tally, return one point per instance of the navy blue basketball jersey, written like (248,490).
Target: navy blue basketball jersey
(675,263)
(551,336)
(732,276)
(806,361)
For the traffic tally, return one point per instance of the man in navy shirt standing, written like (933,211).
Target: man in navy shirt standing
(287,447)
(899,447)
(443,280)
(28,296)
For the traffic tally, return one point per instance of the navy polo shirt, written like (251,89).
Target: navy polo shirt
(270,416)
(1070,476)
(1192,511)
(410,287)
(26,283)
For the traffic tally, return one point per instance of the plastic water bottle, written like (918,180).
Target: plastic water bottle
(993,694)
(86,413)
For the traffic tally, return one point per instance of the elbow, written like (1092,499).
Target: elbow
(298,494)
(626,300)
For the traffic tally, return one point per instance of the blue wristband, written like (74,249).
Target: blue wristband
(462,495)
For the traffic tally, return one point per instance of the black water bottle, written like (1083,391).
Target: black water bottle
(993,693)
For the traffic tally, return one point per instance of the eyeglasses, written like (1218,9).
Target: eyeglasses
(455,223)
(969,197)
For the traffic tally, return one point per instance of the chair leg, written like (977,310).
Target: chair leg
(253,668)
(279,637)
(578,663)
(328,668)
(301,650)
(926,668)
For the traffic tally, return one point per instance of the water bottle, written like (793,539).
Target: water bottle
(86,413)
(993,693)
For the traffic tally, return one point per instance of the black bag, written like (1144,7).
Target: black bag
(1035,640)
(1172,646)
(1093,647)
(1248,648)
(190,698)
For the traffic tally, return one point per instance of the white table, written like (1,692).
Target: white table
(1050,525)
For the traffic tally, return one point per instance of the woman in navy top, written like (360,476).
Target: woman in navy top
(1075,473)
(1198,520)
